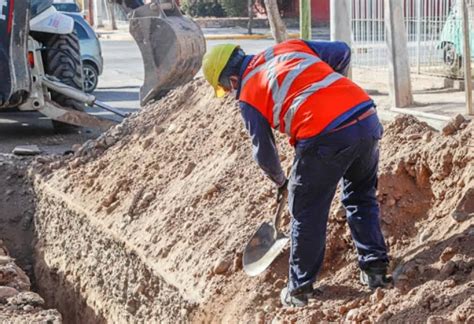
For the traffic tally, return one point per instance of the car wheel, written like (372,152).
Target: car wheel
(451,57)
(91,77)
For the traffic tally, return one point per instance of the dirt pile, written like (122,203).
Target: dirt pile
(149,222)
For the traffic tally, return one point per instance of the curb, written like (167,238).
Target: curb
(434,120)
(126,36)
(117,37)
(245,36)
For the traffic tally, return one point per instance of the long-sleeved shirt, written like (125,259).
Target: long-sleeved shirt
(335,54)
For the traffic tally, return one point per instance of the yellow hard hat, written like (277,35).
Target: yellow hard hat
(214,63)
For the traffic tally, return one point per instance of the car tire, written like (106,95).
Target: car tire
(450,57)
(91,77)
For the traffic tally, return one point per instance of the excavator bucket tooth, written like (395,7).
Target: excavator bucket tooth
(74,117)
(172,47)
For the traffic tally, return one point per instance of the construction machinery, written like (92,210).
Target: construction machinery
(40,65)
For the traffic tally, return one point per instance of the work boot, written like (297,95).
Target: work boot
(297,298)
(375,276)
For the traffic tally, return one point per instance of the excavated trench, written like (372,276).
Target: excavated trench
(18,236)
(29,245)
(84,258)
(17,208)
(78,266)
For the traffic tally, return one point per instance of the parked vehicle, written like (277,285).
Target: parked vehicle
(451,38)
(91,53)
(41,64)
(41,67)
(42,44)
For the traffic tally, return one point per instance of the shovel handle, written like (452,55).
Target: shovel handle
(281,199)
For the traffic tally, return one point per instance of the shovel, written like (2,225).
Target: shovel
(266,244)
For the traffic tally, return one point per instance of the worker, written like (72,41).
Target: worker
(301,89)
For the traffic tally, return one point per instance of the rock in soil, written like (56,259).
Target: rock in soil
(27,150)
(20,305)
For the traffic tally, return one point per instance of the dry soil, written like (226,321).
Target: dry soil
(148,223)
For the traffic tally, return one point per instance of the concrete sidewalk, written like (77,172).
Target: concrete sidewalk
(122,33)
(434,101)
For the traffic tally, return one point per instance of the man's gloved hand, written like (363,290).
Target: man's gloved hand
(282,191)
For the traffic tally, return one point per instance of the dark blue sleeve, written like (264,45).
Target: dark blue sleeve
(336,54)
(265,152)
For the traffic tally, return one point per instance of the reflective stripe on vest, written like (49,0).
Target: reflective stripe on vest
(279,93)
(301,98)
(296,92)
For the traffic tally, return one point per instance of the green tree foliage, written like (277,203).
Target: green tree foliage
(235,8)
(223,8)
(202,8)
(283,5)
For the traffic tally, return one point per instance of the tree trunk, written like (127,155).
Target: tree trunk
(98,12)
(250,9)
(305,19)
(276,23)
(111,9)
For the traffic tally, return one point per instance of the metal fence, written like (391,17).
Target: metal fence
(434,33)
(106,9)
(368,34)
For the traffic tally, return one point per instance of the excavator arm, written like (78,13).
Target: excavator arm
(172,45)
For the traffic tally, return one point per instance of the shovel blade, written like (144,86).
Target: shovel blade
(263,249)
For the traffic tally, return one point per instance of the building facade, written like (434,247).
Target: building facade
(319,11)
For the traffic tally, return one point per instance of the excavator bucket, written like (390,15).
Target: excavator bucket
(172,47)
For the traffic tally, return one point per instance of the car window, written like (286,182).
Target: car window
(80,31)
(38,6)
(67,7)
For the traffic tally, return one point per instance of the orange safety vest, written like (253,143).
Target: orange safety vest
(296,91)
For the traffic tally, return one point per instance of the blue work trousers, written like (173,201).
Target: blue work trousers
(351,155)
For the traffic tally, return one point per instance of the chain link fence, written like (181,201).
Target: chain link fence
(109,11)
(434,34)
